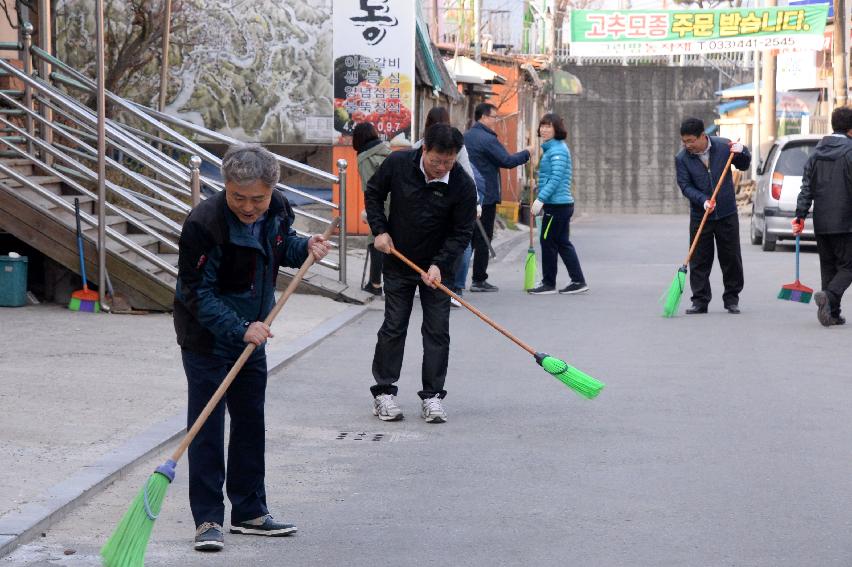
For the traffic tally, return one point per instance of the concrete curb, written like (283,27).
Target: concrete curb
(23,525)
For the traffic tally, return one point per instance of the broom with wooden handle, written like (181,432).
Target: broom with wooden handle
(126,547)
(575,379)
(671,299)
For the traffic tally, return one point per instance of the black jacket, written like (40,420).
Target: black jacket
(226,277)
(429,223)
(827,182)
(697,182)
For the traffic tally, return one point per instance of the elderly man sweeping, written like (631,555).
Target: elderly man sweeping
(231,247)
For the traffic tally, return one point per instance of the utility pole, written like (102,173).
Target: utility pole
(434,25)
(477,32)
(755,126)
(839,63)
(768,122)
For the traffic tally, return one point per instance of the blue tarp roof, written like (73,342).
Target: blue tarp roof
(727,107)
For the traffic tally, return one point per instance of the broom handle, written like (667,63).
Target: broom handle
(470,307)
(707,212)
(798,237)
(532,216)
(247,352)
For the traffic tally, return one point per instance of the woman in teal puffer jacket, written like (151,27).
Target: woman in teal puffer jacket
(556,201)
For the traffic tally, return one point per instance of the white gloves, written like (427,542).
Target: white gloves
(536,207)
(709,205)
(478,211)
(736,148)
(364,216)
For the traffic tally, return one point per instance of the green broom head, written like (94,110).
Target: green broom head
(126,547)
(577,380)
(797,292)
(530,270)
(671,299)
(85,300)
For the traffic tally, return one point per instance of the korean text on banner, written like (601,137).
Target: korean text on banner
(373,49)
(678,32)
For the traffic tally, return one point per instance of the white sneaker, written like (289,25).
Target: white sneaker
(386,408)
(433,410)
(455,303)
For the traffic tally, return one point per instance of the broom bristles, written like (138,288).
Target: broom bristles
(796,292)
(671,299)
(126,547)
(529,270)
(575,379)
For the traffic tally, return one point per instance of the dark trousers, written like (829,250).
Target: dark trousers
(377,260)
(390,347)
(725,233)
(555,243)
(835,265)
(245,471)
(480,246)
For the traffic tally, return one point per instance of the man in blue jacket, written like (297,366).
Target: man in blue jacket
(231,247)
(699,166)
(487,155)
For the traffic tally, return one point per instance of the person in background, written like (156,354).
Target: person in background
(372,151)
(231,247)
(488,155)
(432,211)
(555,174)
(440,115)
(827,183)
(699,165)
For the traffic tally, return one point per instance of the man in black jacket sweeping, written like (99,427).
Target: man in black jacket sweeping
(827,183)
(231,247)
(432,211)
(699,166)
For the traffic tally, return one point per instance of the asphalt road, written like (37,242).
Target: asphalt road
(720,440)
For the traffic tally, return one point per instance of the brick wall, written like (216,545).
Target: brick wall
(623,134)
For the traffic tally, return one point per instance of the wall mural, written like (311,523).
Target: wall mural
(257,70)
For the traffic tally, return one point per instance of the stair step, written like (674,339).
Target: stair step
(22,166)
(49,182)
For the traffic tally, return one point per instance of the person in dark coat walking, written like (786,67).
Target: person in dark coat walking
(372,151)
(432,211)
(231,247)
(699,166)
(488,155)
(827,183)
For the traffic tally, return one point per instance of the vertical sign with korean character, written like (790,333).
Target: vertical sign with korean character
(373,48)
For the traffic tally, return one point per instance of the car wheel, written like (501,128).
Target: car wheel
(768,241)
(755,236)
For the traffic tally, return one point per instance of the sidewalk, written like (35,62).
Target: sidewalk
(83,398)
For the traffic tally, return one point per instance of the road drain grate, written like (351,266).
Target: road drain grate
(360,436)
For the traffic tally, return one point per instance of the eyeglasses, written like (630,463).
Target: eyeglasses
(443,163)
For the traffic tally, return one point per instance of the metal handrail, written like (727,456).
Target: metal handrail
(117,236)
(156,120)
(136,144)
(122,192)
(83,83)
(47,147)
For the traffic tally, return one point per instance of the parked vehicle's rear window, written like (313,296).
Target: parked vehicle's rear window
(793,157)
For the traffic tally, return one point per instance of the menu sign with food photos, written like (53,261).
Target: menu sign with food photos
(374,68)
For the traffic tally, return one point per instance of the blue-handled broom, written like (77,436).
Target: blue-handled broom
(796,291)
(83,299)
